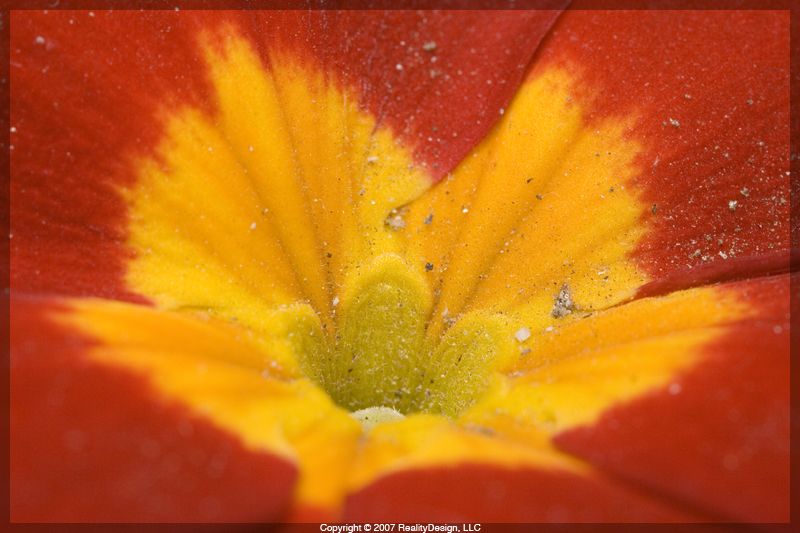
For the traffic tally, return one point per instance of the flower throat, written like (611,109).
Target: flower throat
(380,356)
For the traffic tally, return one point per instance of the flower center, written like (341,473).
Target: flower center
(379,355)
(295,215)
(302,247)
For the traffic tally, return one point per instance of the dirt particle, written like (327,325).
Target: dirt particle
(563,305)
(396,222)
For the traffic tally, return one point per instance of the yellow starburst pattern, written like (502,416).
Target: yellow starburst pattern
(302,271)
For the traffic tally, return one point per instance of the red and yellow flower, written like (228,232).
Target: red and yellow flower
(479,266)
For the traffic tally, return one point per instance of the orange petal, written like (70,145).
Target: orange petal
(710,95)
(677,393)
(542,203)
(487,494)
(581,184)
(718,434)
(98,442)
(426,469)
(90,90)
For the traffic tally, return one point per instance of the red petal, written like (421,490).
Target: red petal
(88,89)
(719,434)
(84,97)
(94,443)
(486,493)
(710,93)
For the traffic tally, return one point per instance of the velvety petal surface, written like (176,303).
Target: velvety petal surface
(99,443)
(606,166)
(718,434)
(426,469)
(586,181)
(710,95)
(683,399)
(92,91)
(228,169)
(290,208)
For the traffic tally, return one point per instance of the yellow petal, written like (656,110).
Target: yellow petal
(573,373)
(220,372)
(541,203)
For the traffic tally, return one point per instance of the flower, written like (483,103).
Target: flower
(323,266)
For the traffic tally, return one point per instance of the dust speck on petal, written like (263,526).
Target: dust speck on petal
(522,334)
